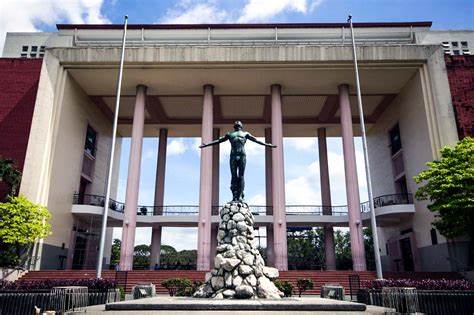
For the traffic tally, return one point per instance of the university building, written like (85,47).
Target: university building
(281,80)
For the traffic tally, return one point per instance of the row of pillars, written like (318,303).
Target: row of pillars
(275,185)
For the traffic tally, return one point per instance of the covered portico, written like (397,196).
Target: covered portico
(287,91)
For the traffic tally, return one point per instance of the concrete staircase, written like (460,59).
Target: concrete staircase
(157,276)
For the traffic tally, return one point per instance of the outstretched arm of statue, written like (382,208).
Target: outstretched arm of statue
(252,138)
(217,141)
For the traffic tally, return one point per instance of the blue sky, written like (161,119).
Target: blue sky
(301,157)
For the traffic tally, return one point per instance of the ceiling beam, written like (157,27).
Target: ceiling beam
(217,108)
(155,109)
(382,106)
(267,109)
(103,107)
(253,121)
(329,108)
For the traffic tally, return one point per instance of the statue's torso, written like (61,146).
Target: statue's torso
(237,140)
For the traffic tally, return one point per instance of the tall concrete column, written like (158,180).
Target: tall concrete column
(278,179)
(215,192)
(205,189)
(269,196)
(326,199)
(133,181)
(159,197)
(352,186)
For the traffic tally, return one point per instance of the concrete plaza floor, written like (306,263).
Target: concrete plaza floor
(177,306)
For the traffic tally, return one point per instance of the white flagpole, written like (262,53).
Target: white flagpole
(378,265)
(112,153)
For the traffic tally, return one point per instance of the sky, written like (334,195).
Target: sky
(182,168)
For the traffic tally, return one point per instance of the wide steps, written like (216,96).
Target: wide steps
(157,276)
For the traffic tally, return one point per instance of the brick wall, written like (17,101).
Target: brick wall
(461,81)
(18,86)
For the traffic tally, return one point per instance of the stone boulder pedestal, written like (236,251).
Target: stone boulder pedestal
(239,271)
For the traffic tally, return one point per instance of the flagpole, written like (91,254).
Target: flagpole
(112,153)
(378,265)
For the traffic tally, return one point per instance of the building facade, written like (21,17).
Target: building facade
(280,80)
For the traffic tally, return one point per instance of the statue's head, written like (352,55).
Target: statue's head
(238,125)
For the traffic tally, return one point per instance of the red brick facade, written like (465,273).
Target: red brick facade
(461,82)
(18,86)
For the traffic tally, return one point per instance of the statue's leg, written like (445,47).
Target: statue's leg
(234,180)
(242,163)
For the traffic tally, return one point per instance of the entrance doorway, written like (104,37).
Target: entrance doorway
(407,255)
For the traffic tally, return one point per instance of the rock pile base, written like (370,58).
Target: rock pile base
(239,270)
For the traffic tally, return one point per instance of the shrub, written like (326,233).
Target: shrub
(98,285)
(303,285)
(425,284)
(285,287)
(178,286)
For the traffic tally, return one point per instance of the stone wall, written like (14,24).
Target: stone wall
(18,86)
(461,82)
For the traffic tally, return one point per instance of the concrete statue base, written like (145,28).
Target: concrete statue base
(239,270)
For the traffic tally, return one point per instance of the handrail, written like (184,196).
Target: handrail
(381,201)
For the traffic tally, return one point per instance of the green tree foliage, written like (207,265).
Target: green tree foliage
(21,224)
(369,248)
(448,184)
(9,175)
(342,247)
(141,257)
(115,252)
(306,249)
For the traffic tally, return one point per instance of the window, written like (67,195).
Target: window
(434,237)
(454,44)
(24,55)
(33,55)
(91,137)
(42,48)
(24,48)
(395,141)
(463,44)
(34,48)
(456,52)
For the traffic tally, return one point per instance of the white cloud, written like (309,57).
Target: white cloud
(26,15)
(187,13)
(305,189)
(262,10)
(210,11)
(176,147)
(302,144)
(258,200)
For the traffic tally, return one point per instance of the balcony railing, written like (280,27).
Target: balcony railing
(382,201)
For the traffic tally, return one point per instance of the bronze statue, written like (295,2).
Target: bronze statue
(238,158)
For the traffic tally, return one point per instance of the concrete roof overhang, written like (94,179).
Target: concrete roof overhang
(242,76)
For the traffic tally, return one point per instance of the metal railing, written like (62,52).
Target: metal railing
(20,303)
(435,302)
(381,201)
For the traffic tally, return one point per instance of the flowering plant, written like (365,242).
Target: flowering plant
(44,285)
(424,284)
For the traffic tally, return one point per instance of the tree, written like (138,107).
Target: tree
(306,248)
(9,175)
(342,247)
(115,252)
(369,248)
(449,186)
(141,257)
(22,222)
